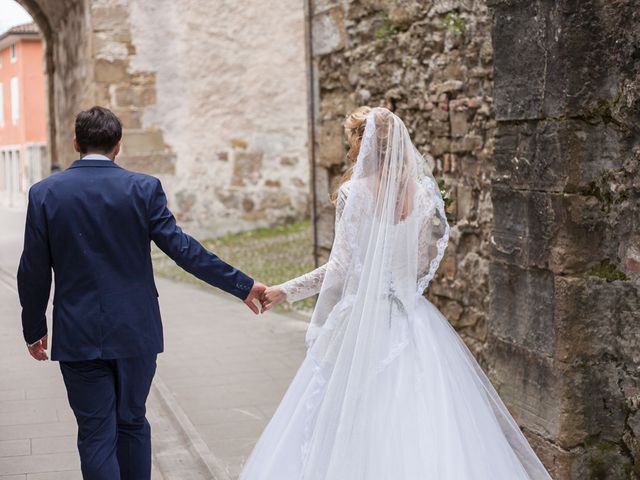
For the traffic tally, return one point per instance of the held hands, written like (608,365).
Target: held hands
(256,293)
(272,297)
(39,349)
(268,297)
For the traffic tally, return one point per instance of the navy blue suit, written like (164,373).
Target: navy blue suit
(93,224)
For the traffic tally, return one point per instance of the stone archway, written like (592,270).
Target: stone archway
(50,18)
(76,76)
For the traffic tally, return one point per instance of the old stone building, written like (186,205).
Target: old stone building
(212,95)
(528,110)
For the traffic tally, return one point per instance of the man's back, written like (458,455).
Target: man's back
(93,225)
(97,226)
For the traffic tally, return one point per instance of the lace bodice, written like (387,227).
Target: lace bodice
(310,283)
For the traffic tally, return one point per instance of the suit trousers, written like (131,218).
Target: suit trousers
(108,399)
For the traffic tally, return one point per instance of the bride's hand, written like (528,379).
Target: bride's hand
(273,296)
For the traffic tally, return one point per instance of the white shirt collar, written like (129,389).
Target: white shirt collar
(95,156)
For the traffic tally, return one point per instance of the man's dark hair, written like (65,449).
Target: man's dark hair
(98,130)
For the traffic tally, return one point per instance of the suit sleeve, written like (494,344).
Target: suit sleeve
(34,273)
(189,254)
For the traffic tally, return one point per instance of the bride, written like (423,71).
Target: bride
(387,391)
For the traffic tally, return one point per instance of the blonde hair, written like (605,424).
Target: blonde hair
(354,126)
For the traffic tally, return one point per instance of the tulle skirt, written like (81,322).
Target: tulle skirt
(429,413)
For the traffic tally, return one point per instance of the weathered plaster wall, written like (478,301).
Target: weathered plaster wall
(212,95)
(431,62)
(564,336)
(230,100)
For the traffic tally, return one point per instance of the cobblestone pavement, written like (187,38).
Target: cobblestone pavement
(223,372)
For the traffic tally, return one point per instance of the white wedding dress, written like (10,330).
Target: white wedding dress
(387,391)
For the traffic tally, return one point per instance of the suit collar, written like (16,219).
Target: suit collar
(93,163)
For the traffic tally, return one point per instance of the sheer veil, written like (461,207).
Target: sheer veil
(392,231)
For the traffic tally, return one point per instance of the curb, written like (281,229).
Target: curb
(209,464)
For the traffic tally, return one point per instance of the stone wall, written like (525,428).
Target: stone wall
(564,347)
(212,95)
(431,62)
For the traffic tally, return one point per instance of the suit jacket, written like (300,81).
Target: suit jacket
(93,224)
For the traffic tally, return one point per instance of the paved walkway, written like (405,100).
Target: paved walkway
(226,368)
(37,428)
(223,373)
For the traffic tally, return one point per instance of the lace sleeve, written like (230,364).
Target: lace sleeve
(310,283)
(425,247)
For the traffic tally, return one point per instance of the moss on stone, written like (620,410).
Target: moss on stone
(606,270)
(388,29)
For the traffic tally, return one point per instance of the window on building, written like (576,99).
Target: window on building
(13,53)
(1,105)
(15,100)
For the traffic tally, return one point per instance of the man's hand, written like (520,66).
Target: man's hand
(272,297)
(39,349)
(256,293)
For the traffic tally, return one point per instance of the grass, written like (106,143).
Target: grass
(270,255)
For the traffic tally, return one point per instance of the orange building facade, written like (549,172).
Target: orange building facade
(23,134)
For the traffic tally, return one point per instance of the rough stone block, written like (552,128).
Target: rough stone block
(109,17)
(137,96)
(543,66)
(596,319)
(459,123)
(521,307)
(247,167)
(566,155)
(152,163)
(523,226)
(563,232)
(131,118)
(328,31)
(518,60)
(330,144)
(593,404)
(143,142)
(528,382)
(111,71)
(556,460)
(468,143)
(582,234)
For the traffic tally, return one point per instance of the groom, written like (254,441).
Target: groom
(93,224)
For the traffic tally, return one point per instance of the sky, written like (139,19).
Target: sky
(12,14)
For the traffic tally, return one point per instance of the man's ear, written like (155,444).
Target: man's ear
(116,149)
(76,145)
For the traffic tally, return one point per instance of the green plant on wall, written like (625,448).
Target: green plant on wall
(387,29)
(446,197)
(454,23)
